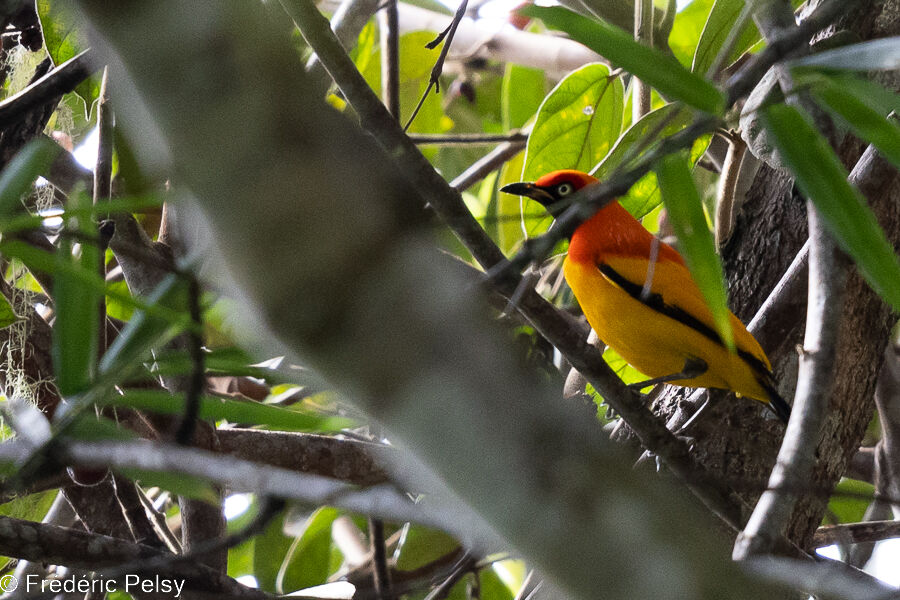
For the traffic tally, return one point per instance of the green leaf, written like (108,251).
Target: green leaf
(64,39)
(233,411)
(685,209)
(850,500)
(422,545)
(665,121)
(721,21)
(22,171)
(416,62)
(76,303)
(222,361)
(147,330)
(823,180)
(522,93)
(492,587)
(269,551)
(309,560)
(577,124)
(687,29)
(8,315)
(875,55)
(659,70)
(865,121)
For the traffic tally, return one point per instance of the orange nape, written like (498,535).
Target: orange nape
(642,301)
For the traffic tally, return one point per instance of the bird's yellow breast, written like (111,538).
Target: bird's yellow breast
(655,343)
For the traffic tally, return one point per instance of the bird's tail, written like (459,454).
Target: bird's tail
(776,403)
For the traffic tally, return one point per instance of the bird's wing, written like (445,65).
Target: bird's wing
(672,292)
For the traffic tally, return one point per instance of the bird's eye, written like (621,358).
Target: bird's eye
(564,189)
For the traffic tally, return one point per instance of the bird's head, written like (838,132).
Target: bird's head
(551,189)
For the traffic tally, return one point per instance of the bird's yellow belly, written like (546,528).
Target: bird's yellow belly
(651,342)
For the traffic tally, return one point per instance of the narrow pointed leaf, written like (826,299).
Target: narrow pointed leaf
(694,238)
(659,70)
(865,121)
(233,411)
(823,179)
(76,303)
(875,55)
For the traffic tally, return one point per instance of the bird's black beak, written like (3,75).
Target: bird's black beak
(530,190)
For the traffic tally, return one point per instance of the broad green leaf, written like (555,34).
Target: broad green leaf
(721,21)
(233,411)
(309,560)
(659,70)
(76,303)
(492,587)
(269,551)
(22,171)
(64,39)
(523,91)
(687,29)
(665,121)
(577,124)
(8,315)
(850,500)
(685,209)
(865,121)
(875,55)
(509,213)
(671,117)
(421,545)
(822,178)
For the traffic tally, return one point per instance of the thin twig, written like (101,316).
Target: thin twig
(856,533)
(59,81)
(466,139)
(390,57)
(445,36)
(489,162)
(381,575)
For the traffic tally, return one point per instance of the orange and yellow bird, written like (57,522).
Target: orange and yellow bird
(640,298)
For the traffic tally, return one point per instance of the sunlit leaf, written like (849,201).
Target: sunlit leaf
(308,561)
(659,70)
(577,124)
(685,209)
(822,178)
(523,92)
(686,31)
(64,39)
(721,21)
(269,551)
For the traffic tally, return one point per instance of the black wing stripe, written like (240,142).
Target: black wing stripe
(656,302)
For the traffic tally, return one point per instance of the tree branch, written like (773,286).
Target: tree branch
(77,549)
(827,275)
